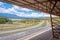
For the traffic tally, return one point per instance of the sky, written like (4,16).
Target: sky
(19,11)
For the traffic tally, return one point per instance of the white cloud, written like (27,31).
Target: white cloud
(2,10)
(33,15)
(10,10)
(20,8)
(1,3)
(22,14)
(26,9)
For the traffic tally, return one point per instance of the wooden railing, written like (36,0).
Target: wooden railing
(56,27)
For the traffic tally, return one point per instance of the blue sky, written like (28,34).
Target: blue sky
(19,11)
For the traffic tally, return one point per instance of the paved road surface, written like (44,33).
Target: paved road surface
(25,33)
(44,36)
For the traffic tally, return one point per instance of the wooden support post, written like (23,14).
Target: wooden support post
(51,25)
(51,16)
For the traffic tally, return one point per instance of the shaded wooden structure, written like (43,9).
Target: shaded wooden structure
(47,6)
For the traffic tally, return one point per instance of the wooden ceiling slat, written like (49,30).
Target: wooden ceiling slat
(28,5)
(30,1)
(34,6)
(56,6)
(21,1)
(19,4)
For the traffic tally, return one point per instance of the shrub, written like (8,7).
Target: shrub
(4,20)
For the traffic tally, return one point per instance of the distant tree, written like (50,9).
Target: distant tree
(10,22)
(4,20)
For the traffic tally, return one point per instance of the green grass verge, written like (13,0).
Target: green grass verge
(27,23)
(6,34)
(44,24)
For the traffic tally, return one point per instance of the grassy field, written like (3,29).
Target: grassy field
(22,24)
(19,24)
(6,34)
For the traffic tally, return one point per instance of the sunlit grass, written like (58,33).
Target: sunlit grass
(6,34)
(19,25)
(44,24)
